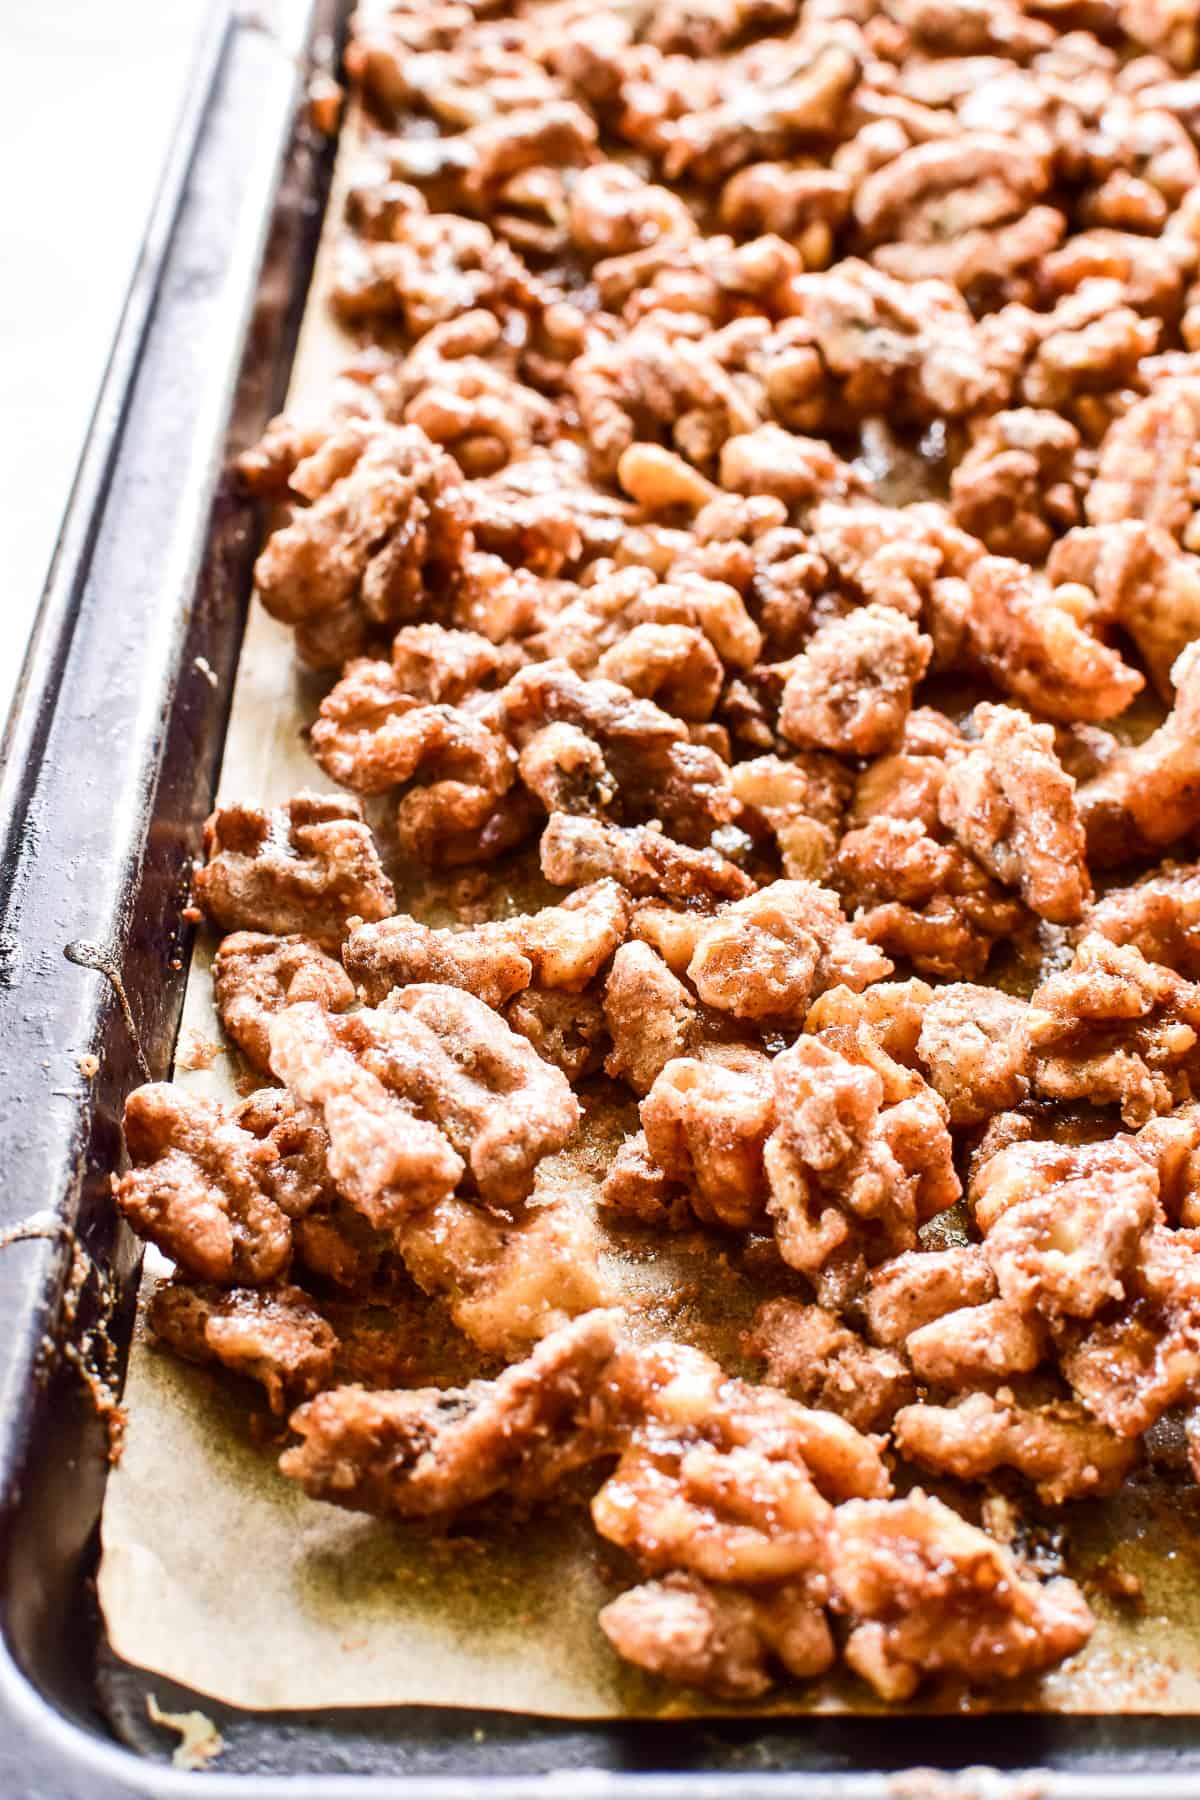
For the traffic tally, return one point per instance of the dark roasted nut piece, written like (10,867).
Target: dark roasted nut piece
(568,1030)
(819,1361)
(199,1188)
(256,976)
(432,1453)
(308,866)
(929,1593)
(655,769)
(1114,1029)
(274,1335)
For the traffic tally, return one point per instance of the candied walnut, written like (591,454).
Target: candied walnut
(797,470)
(720,1639)
(1142,584)
(1064,1453)
(562,946)
(485,960)
(729,1481)
(818,1360)
(198,1188)
(425,270)
(506,1284)
(470,403)
(648,385)
(672,664)
(918,1287)
(385,528)
(433,664)
(1114,1029)
(802,800)
(977,1345)
(1062,1222)
(802,98)
(256,976)
(1029,639)
(1011,804)
(650,1014)
(1130,1367)
(1147,467)
(973,1046)
(1147,795)
(432,1453)
(372,735)
(644,861)
(806,205)
(416,1095)
(1079,357)
(636,1188)
(565,769)
(925,902)
(892,555)
(893,348)
(860,1157)
(891,1011)
(566,1029)
(1170,1144)
(611,211)
(851,689)
(655,769)
(928,1593)
(936,207)
(273,1335)
(297,1178)
(1159,915)
(659,480)
(464,805)
(705,1122)
(1170,28)
(306,867)
(1016,487)
(766,957)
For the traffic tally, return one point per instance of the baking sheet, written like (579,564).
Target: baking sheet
(224,1577)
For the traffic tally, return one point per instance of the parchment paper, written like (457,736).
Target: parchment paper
(221,1575)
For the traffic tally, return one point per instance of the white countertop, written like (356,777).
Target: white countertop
(92,93)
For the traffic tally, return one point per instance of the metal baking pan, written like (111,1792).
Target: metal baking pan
(109,769)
